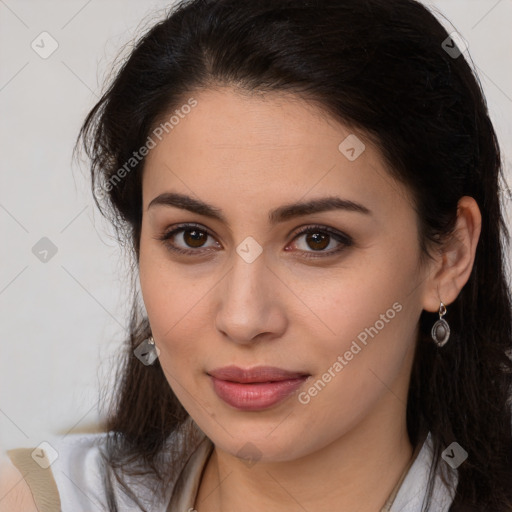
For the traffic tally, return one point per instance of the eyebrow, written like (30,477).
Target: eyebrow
(281,214)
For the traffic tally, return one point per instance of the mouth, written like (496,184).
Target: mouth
(254,375)
(255,388)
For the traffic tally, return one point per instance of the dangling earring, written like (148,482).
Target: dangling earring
(147,352)
(441,330)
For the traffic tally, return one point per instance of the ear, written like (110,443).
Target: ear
(453,261)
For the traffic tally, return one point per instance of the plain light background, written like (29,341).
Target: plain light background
(62,321)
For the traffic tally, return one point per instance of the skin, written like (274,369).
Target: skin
(246,155)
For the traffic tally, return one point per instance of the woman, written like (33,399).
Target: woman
(311,194)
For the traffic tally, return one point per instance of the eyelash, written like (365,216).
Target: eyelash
(341,238)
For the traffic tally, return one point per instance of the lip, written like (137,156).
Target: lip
(255,374)
(255,388)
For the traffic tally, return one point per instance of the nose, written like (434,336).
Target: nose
(249,305)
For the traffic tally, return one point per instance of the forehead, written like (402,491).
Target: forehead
(260,146)
(226,120)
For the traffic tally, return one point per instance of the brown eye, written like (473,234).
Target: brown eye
(189,240)
(194,237)
(313,241)
(317,241)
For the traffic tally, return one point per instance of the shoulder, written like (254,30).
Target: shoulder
(73,473)
(50,475)
(15,493)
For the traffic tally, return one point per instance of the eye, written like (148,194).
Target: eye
(185,237)
(191,239)
(320,238)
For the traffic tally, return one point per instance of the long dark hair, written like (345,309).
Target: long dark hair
(382,68)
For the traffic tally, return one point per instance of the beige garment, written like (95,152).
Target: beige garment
(46,495)
(40,480)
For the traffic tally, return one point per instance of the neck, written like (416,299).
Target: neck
(358,471)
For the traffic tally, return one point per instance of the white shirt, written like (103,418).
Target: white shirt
(81,485)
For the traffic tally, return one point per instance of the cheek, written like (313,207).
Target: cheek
(354,370)
(364,329)
(164,289)
(177,309)
(349,301)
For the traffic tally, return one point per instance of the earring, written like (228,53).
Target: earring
(441,330)
(147,352)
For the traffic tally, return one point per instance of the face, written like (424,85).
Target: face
(232,274)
